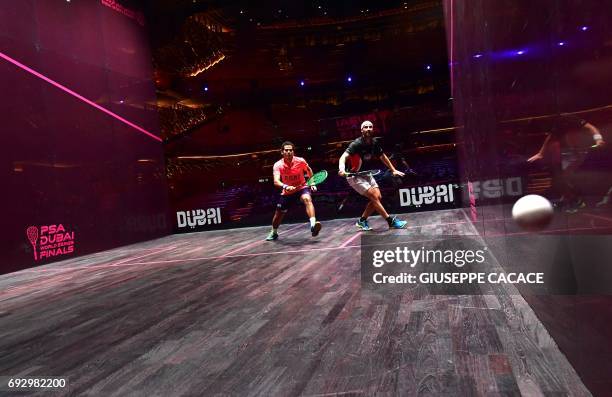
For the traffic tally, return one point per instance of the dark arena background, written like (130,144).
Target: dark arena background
(137,165)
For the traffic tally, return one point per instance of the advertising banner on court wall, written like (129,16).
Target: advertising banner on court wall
(197,219)
(422,196)
(451,195)
(50,241)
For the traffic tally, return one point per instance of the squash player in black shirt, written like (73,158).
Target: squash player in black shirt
(366,148)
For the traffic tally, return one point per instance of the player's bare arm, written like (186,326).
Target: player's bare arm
(594,131)
(278,183)
(342,164)
(309,174)
(388,164)
(540,154)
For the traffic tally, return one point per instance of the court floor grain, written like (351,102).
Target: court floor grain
(226,313)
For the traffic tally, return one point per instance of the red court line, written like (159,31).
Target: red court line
(452,46)
(347,242)
(347,247)
(63,277)
(271,253)
(343,246)
(258,242)
(435,224)
(145,255)
(67,277)
(55,279)
(598,217)
(244,255)
(44,270)
(78,96)
(575,229)
(123,264)
(226,255)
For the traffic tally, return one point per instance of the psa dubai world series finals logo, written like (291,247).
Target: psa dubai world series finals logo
(50,240)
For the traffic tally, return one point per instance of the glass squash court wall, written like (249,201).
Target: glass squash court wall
(522,71)
(80,171)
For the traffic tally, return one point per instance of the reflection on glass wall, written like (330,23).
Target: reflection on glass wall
(82,156)
(532,97)
(532,100)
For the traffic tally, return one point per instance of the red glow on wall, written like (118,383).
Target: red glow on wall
(78,96)
(137,16)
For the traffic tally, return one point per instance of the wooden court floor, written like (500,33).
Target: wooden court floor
(226,313)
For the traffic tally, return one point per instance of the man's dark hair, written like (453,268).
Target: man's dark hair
(288,143)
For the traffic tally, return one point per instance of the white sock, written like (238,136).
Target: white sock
(275,230)
(312,221)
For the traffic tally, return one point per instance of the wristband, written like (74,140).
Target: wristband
(597,137)
(285,186)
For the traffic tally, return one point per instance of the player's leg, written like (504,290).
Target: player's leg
(369,209)
(367,187)
(278,218)
(361,185)
(373,194)
(375,197)
(281,209)
(306,198)
(276,221)
(571,178)
(605,200)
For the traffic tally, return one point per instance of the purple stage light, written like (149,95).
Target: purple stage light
(349,79)
(561,43)
(584,28)
(302,83)
(477,56)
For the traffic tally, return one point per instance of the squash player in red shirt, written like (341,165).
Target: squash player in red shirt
(288,175)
